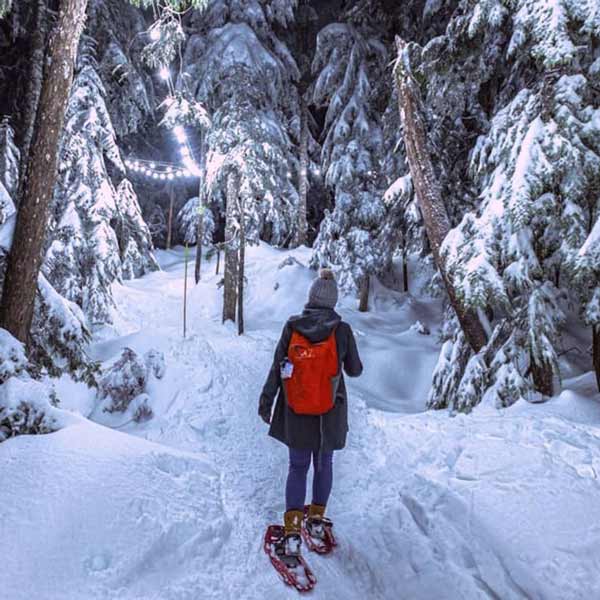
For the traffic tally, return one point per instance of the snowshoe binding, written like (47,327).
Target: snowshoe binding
(317,532)
(285,555)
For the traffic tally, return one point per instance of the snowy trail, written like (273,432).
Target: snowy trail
(493,505)
(216,415)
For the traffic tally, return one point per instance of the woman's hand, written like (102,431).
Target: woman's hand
(264,412)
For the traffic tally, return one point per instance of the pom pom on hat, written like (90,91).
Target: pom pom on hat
(326,273)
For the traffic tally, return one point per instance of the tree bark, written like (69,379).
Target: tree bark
(302,224)
(363,305)
(24,262)
(34,90)
(543,375)
(231,251)
(241,268)
(428,192)
(170,225)
(218,260)
(596,352)
(199,234)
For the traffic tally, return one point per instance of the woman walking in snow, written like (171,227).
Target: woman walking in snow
(311,413)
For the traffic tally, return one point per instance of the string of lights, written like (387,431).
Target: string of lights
(161,170)
(158,170)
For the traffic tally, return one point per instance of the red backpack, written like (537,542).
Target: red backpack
(312,387)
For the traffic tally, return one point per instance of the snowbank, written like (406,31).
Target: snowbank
(92,513)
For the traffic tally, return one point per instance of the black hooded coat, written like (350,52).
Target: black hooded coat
(307,432)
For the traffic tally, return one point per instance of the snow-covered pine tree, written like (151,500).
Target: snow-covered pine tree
(537,167)
(59,334)
(98,234)
(7,208)
(5,7)
(244,75)
(133,235)
(349,63)
(187,223)
(9,158)
(119,31)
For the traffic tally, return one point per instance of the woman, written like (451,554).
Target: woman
(315,435)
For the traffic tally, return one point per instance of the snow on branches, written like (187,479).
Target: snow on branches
(98,234)
(347,64)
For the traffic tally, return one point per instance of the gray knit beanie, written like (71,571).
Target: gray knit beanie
(323,291)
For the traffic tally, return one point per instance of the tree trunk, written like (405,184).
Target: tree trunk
(363,305)
(199,234)
(428,192)
(24,262)
(170,225)
(218,261)
(596,352)
(241,269)
(543,376)
(34,90)
(231,251)
(185,279)
(404,270)
(302,224)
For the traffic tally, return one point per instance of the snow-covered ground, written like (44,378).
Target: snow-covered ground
(498,504)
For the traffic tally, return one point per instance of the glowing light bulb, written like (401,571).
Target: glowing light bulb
(164,73)
(179,132)
(153,165)
(170,176)
(155,34)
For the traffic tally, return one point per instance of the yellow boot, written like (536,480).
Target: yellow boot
(316,510)
(288,548)
(292,522)
(316,524)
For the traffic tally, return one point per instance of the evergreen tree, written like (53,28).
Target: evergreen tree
(187,223)
(245,77)
(536,167)
(98,232)
(349,65)
(9,158)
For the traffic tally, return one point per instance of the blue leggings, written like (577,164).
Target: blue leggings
(295,490)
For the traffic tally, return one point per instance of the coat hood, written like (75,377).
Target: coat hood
(315,323)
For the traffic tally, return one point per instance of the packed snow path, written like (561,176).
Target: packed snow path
(494,505)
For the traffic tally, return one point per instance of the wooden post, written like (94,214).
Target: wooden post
(185,278)
(241,268)
(170,226)
(428,191)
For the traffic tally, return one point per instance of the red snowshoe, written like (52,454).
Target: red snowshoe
(291,566)
(317,533)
